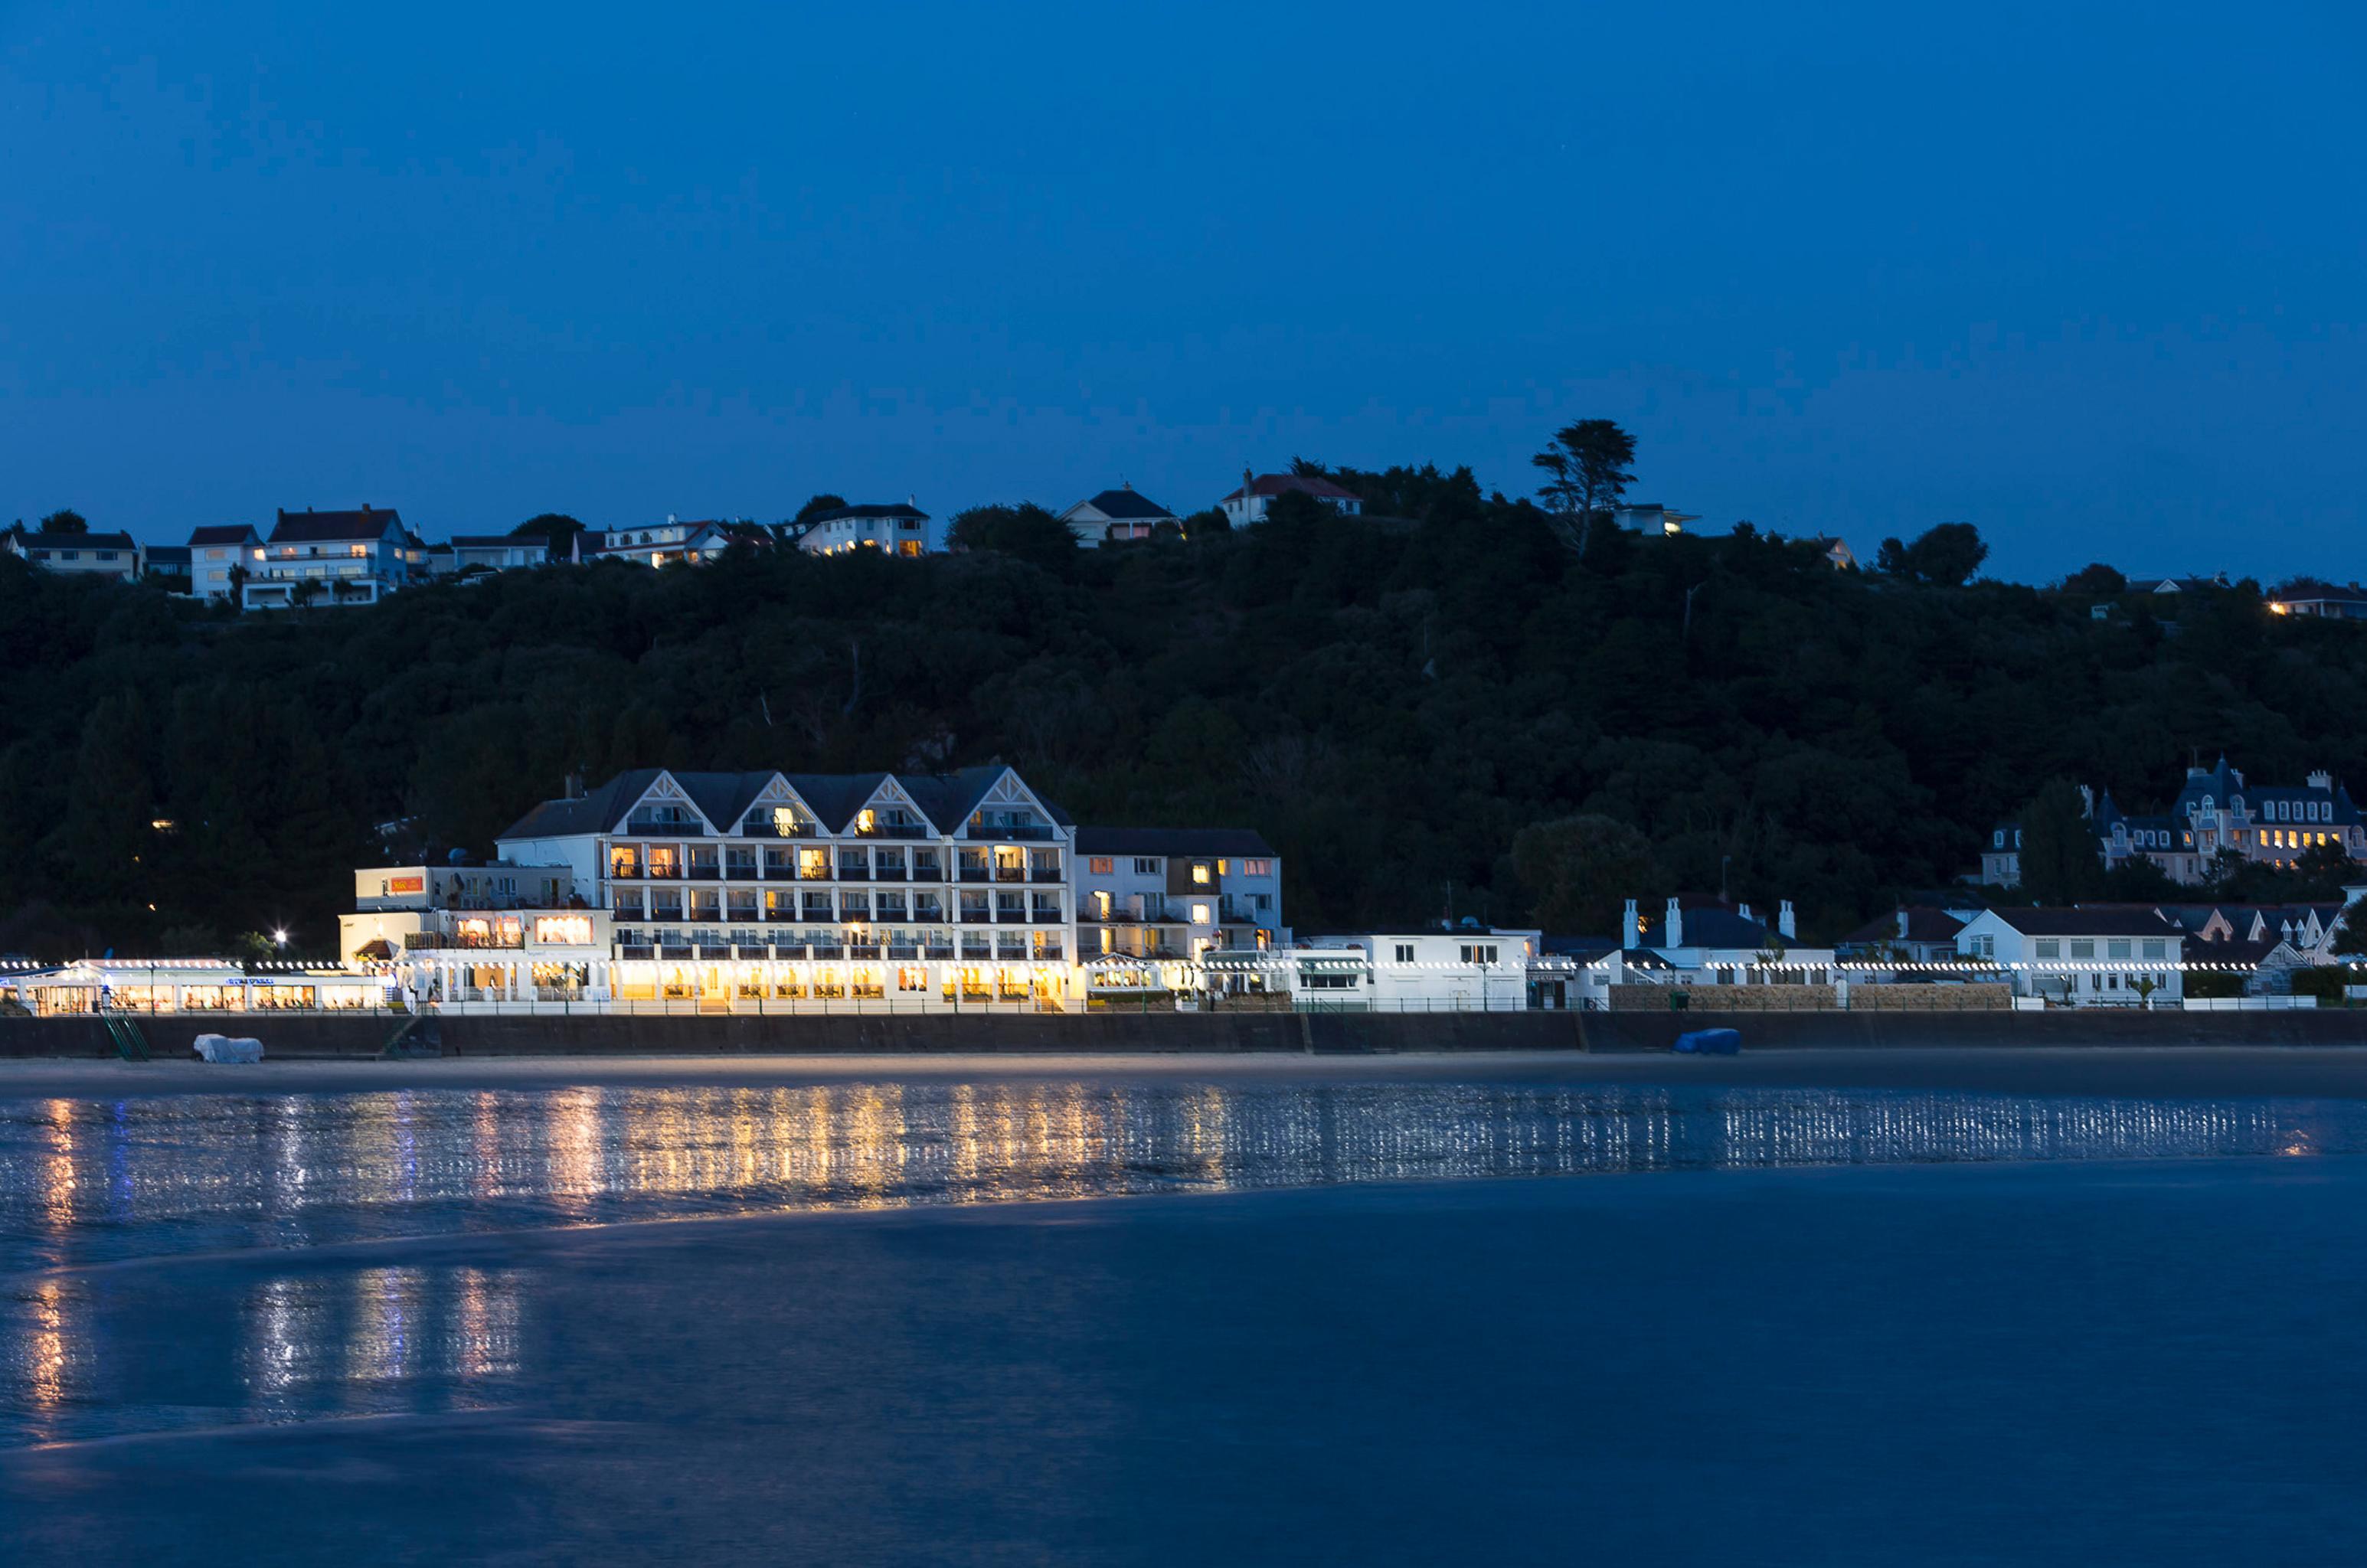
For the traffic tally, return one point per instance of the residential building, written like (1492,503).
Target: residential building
(1472,968)
(1651,517)
(1114,516)
(2308,598)
(332,558)
(1250,504)
(671,542)
(761,886)
(1836,552)
(1911,934)
(2216,813)
(2169,585)
(2111,956)
(117,555)
(499,552)
(904,530)
(503,933)
(167,565)
(1709,942)
(222,557)
(1176,891)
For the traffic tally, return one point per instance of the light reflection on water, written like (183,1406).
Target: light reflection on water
(85,1182)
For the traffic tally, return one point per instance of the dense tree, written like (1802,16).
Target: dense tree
(2059,864)
(557,526)
(1585,473)
(2095,580)
(1391,703)
(65,519)
(1026,532)
(1944,557)
(1580,871)
(815,507)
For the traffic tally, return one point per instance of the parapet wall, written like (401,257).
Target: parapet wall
(1156,1034)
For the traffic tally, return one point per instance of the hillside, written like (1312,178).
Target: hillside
(1389,702)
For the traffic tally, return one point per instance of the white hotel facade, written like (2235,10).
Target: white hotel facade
(729,890)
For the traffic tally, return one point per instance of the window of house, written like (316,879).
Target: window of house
(1405,953)
(1257,868)
(2117,949)
(1475,953)
(2047,947)
(1200,873)
(2083,949)
(1102,866)
(1262,901)
(1199,914)
(1145,865)
(2155,947)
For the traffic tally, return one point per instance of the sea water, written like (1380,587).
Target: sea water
(906,1322)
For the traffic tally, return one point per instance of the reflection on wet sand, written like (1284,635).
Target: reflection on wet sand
(84,1182)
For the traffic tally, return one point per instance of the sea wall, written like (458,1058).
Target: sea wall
(1154,1033)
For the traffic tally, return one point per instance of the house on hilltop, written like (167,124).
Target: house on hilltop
(1250,504)
(1114,516)
(332,558)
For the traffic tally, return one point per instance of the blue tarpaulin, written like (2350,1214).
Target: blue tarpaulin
(1710,1042)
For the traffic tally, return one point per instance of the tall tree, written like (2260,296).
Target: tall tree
(1945,557)
(816,506)
(1585,473)
(65,519)
(1580,871)
(2061,861)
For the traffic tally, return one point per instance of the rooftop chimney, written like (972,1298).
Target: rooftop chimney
(1627,923)
(1675,922)
(2321,779)
(575,785)
(1902,924)
(1786,926)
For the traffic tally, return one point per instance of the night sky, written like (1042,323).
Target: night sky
(2088,277)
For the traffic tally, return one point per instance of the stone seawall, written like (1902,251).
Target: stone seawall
(1157,1033)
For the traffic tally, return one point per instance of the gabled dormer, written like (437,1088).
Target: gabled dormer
(778,811)
(663,808)
(890,812)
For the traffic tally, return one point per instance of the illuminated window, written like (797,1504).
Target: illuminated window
(1199,914)
(1200,873)
(866,821)
(1100,866)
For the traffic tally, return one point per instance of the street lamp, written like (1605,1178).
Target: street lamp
(280,938)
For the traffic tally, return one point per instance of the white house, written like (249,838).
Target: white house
(926,890)
(1651,517)
(221,557)
(1114,516)
(2083,957)
(332,557)
(1176,891)
(1250,503)
(116,555)
(1470,969)
(1706,941)
(673,541)
(904,530)
(499,552)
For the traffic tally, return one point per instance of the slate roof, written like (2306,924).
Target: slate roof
(1709,926)
(169,555)
(900,508)
(1285,484)
(79,542)
(220,533)
(2123,921)
(945,799)
(1226,842)
(490,541)
(1923,925)
(1128,505)
(324,527)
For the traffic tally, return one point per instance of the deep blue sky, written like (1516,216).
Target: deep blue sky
(2093,277)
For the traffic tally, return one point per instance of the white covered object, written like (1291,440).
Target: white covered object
(222,1048)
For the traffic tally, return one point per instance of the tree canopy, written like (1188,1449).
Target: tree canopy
(65,519)
(1390,703)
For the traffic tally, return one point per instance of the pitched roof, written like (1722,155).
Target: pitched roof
(79,542)
(900,508)
(2124,921)
(1126,504)
(1706,926)
(220,533)
(1231,841)
(1925,925)
(321,527)
(492,541)
(945,799)
(168,555)
(1285,484)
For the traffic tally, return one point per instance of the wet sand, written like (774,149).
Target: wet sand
(2174,1072)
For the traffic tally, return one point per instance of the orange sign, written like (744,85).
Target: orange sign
(407,885)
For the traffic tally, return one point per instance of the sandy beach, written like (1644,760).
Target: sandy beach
(2117,1070)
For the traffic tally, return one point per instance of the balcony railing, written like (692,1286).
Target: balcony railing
(625,871)
(704,874)
(664,830)
(1010,874)
(976,874)
(1044,873)
(1012,833)
(928,873)
(887,873)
